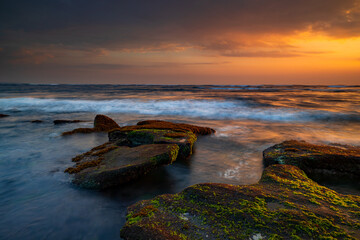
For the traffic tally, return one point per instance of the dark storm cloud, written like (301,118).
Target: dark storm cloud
(135,25)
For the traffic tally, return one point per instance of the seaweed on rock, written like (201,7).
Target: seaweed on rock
(285,204)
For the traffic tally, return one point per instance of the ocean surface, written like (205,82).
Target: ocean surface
(38,200)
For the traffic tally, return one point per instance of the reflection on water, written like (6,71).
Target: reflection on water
(37,199)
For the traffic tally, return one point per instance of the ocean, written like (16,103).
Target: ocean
(38,200)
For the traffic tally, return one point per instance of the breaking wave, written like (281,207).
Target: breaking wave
(207,109)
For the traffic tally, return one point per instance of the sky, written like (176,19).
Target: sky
(180,42)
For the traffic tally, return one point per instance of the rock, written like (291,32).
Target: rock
(78,130)
(3,115)
(37,121)
(132,151)
(285,204)
(177,127)
(320,162)
(158,132)
(133,138)
(57,122)
(102,123)
(109,165)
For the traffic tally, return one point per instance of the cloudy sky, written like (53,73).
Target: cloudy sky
(180,42)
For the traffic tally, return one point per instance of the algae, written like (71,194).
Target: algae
(285,204)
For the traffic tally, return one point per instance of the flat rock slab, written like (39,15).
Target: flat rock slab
(109,165)
(338,162)
(137,137)
(285,204)
(177,127)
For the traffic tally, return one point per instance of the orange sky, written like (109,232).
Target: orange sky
(235,42)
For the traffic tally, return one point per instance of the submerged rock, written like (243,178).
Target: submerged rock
(36,121)
(285,204)
(78,130)
(102,123)
(318,161)
(62,121)
(109,165)
(3,115)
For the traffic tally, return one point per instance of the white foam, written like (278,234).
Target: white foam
(208,109)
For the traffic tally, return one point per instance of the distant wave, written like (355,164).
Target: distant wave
(208,109)
(238,88)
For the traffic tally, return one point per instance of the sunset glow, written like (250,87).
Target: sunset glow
(237,42)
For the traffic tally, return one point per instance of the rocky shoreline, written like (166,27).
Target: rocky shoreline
(287,203)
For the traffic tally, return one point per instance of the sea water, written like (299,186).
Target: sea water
(38,200)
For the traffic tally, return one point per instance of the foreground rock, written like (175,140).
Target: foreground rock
(318,161)
(285,204)
(133,151)
(109,165)
(3,115)
(102,123)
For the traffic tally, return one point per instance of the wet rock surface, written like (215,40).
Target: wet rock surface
(102,123)
(320,162)
(177,127)
(109,165)
(133,138)
(285,204)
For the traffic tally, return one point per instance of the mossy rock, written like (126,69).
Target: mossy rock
(320,162)
(109,165)
(176,127)
(285,204)
(137,137)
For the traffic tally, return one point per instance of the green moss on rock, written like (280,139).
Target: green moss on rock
(133,138)
(138,137)
(285,204)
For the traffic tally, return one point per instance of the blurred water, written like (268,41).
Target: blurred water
(38,201)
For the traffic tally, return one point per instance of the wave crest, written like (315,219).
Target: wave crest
(207,109)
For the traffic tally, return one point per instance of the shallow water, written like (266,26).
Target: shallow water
(38,201)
